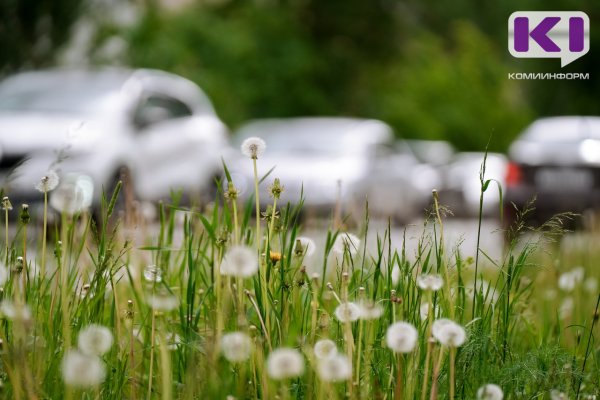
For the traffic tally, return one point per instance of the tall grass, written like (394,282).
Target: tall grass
(523,332)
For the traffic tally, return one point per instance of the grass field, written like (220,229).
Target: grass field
(246,309)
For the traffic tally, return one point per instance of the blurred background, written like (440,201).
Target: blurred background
(435,73)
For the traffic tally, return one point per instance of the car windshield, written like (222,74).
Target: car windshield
(71,93)
(313,141)
(563,130)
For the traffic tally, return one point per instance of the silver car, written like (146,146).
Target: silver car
(333,158)
(88,125)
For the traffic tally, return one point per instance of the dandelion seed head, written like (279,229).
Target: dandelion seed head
(448,333)
(432,282)
(48,182)
(240,261)
(153,274)
(285,363)
(236,346)
(370,310)
(15,312)
(490,391)
(335,369)
(95,340)
(325,348)
(162,302)
(401,337)
(304,247)
(591,285)
(346,241)
(253,147)
(81,370)
(557,395)
(347,312)
(4,274)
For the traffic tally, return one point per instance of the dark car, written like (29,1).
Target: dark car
(556,161)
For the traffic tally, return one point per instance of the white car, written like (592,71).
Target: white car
(89,125)
(329,158)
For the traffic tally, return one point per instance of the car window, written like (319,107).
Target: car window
(158,108)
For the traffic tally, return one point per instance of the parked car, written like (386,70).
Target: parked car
(462,186)
(329,159)
(557,161)
(90,124)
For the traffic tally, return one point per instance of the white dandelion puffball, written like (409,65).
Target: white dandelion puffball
(448,333)
(80,370)
(48,182)
(431,282)
(490,391)
(347,312)
(401,337)
(567,282)
(4,274)
(325,348)
(15,312)
(285,363)
(236,346)
(557,395)
(335,369)
(95,340)
(162,302)
(253,147)
(591,285)
(345,240)
(307,246)
(370,310)
(240,261)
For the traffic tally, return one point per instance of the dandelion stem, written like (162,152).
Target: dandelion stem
(44,234)
(6,226)
(257,201)
(262,322)
(428,351)
(399,375)
(436,374)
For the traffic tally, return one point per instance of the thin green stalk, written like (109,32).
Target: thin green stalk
(44,234)
(587,348)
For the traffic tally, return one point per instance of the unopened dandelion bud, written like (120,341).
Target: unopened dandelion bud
(232,193)
(434,192)
(276,189)
(58,250)
(329,286)
(6,205)
(24,216)
(18,265)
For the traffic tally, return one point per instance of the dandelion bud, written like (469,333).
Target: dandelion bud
(24,216)
(304,247)
(276,189)
(6,205)
(253,147)
(19,263)
(285,363)
(232,193)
